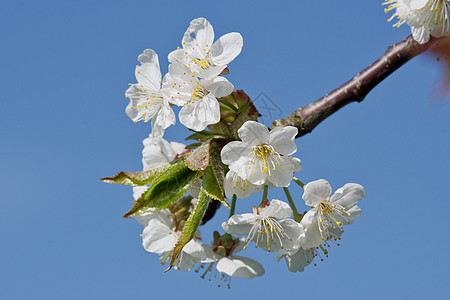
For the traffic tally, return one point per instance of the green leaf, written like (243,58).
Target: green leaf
(220,129)
(213,177)
(191,226)
(166,189)
(140,178)
(203,136)
(199,159)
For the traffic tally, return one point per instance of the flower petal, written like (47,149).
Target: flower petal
(157,237)
(235,185)
(282,174)
(277,209)
(237,266)
(299,260)
(233,151)
(348,195)
(239,224)
(226,48)
(218,86)
(282,139)
(254,133)
(148,73)
(199,37)
(316,191)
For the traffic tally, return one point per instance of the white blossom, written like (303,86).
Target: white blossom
(203,57)
(158,151)
(232,265)
(148,101)
(263,228)
(160,236)
(328,215)
(263,157)
(197,97)
(426,17)
(235,185)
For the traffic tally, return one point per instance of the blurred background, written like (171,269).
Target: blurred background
(64,68)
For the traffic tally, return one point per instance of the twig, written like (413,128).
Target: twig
(308,117)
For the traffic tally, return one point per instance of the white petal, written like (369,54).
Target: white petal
(146,217)
(293,230)
(354,212)
(421,35)
(235,185)
(199,35)
(316,191)
(178,147)
(282,139)
(299,260)
(233,151)
(312,238)
(282,174)
(198,115)
(210,72)
(218,86)
(239,224)
(237,266)
(277,209)
(348,195)
(157,237)
(254,133)
(226,48)
(148,73)
(165,116)
(418,4)
(195,249)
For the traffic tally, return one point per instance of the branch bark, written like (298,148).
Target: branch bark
(356,89)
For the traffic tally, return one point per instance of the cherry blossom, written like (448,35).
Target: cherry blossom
(263,157)
(203,57)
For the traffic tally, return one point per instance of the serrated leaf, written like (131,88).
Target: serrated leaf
(167,189)
(212,186)
(203,136)
(191,226)
(213,177)
(139,178)
(199,159)
(220,129)
(193,146)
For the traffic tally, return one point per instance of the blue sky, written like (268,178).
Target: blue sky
(64,68)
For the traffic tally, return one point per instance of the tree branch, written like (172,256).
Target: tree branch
(308,117)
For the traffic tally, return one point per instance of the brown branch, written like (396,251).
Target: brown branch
(308,117)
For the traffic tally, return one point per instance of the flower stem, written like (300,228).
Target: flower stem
(297,181)
(297,217)
(233,205)
(266,190)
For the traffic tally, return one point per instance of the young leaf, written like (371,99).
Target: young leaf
(191,226)
(166,189)
(139,178)
(213,177)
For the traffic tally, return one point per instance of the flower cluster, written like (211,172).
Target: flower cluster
(193,81)
(235,157)
(426,17)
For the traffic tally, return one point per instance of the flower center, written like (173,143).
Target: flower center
(266,157)
(203,63)
(267,232)
(331,218)
(197,94)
